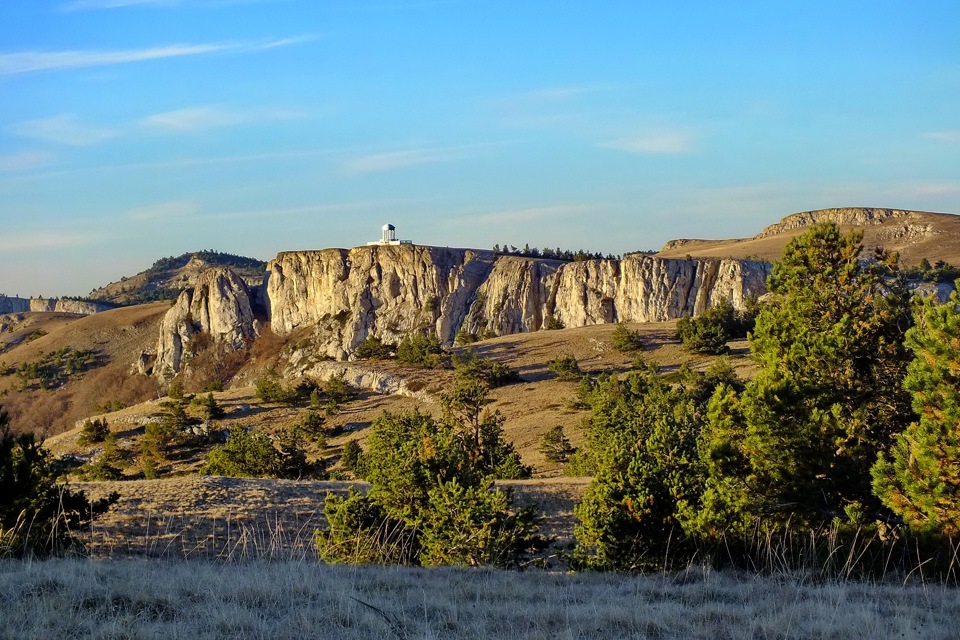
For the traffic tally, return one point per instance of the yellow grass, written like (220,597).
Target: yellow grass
(78,598)
(242,518)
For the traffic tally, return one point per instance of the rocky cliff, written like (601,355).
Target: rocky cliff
(13,304)
(391,291)
(847,217)
(343,296)
(914,235)
(219,306)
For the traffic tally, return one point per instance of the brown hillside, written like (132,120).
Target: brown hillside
(115,338)
(530,407)
(169,276)
(914,234)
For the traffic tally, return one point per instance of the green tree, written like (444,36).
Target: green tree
(566,367)
(920,480)
(247,454)
(798,443)
(108,463)
(431,499)
(37,515)
(373,347)
(643,437)
(555,446)
(625,340)
(209,407)
(421,350)
(352,458)
(93,431)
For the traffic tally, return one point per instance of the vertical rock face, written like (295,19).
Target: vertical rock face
(386,291)
(521,294)
(218,305)
(389,291)
(14,304)
(344,296)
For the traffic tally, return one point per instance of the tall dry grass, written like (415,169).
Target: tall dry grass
(79,598)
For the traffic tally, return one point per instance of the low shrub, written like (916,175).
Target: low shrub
(374,347)
(625,340)
(555,446)
(93,431)
(422,350)
(566,368)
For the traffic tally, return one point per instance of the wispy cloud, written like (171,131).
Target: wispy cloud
(532,214)
(96,5)
(46,240)
(164,211)
(944,136)
(24,160)
(33,61)
(63,129)
(212,117)
(392,160)
(183,209)
(93,5)
(656,142)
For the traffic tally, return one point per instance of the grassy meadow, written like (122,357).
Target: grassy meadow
(167,599)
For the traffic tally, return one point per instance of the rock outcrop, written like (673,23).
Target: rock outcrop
(219,306)
(386,291)
(389,291)
(343,296)
(14,304)
(849,216)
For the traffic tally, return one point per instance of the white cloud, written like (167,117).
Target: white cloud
(944,136)
(657,142)
(32,61)
(163,211)
(92,5)
(531,214)
(212,117)
(46,240)
(95,5)
(389,161)
(24,160)
(63,129)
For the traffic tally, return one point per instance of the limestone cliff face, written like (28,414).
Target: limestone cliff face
(521,294)
(218,305)
(388,291)
(343,296)
(850,216)
(15,304)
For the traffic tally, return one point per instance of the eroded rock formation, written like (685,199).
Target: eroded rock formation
(218,305)
(391,291)
(13,304)
(343,296)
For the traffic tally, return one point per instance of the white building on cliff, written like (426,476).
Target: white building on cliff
(389,236)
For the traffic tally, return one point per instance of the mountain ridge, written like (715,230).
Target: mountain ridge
(915,235)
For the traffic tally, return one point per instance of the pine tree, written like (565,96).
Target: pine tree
(920,480)
(798,444)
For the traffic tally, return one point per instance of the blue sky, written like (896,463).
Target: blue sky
(136,129)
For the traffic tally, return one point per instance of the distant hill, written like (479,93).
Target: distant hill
(167,277)
(914,234)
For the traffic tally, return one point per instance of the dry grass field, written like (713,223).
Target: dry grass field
(116,337)
(165,599)
(934,236)
(189,556)
(530,408)
(242,518)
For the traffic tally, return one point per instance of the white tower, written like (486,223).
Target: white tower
(389,233)
(388,236)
